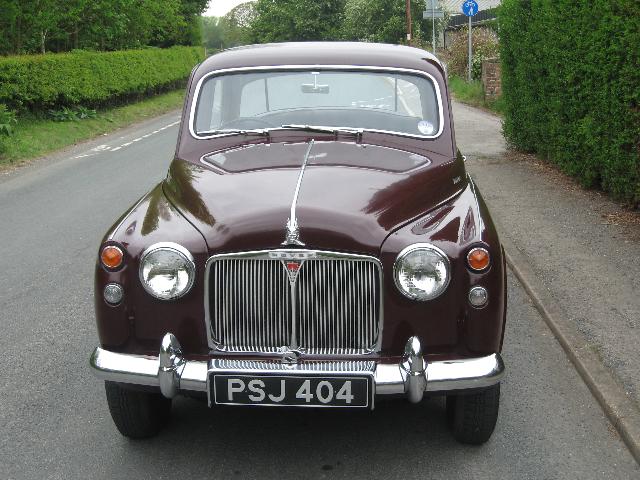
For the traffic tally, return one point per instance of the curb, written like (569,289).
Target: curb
(617,406)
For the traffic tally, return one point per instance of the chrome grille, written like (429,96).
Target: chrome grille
(337,306)
(332,307)
(250,305)
(270,366)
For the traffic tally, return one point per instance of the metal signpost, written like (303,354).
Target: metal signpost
(470,8)
(432,14)
(409,32)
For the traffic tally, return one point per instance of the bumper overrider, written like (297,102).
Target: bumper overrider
(412,377)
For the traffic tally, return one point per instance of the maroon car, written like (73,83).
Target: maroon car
(316,243)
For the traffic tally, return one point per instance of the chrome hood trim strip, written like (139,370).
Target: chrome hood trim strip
(292,236)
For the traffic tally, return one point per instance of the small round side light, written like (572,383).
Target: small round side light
(478,259)
(478,297)
(111,257)
(113,293)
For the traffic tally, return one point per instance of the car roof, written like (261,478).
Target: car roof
(322,53)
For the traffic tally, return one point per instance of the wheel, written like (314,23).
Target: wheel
(137,414)
(473,416)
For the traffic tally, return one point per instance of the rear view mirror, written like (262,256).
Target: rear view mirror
(311,88)
(314,87)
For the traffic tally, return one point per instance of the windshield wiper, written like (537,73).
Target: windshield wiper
(356,132)
(263,132)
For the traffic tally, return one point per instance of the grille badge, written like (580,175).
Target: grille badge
(293,267)
(292,254)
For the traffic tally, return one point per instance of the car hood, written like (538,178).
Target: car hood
(351,196)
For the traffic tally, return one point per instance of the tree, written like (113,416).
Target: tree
(10,27)
(30,26)
(42,18)
(296,20)
(191,32)
(236,25)
(381,20)
(212,33)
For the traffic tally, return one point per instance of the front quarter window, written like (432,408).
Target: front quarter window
(387,101)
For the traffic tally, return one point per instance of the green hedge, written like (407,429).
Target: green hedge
(571,86)
(38,82)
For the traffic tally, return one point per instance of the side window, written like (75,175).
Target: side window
(253,99)
(409,101)
(216,113)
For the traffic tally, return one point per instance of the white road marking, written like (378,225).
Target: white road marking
(108,148)
(94,151)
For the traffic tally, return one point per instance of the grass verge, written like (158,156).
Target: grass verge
(35,136)
(473,94)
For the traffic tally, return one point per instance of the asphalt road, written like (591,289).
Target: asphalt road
(54,421)
(565,232)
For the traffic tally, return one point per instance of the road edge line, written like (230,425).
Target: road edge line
(616,405)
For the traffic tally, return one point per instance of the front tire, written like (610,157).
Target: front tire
(137,414)
(473,417)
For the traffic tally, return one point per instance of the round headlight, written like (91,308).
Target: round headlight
(422,271)
(167,270)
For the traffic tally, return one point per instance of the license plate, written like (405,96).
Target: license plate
(292,390)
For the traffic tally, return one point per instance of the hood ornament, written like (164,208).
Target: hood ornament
(292,236)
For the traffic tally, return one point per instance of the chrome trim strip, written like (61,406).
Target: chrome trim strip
(388,378)
(293,231)
(293,254)
(372,68)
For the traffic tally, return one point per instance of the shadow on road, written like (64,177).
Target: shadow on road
(260,442)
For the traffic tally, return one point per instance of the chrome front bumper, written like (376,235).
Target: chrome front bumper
(412,377)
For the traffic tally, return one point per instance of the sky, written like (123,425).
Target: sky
(218,8)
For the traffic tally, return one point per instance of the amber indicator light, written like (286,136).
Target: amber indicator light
(478,259)
(111,256)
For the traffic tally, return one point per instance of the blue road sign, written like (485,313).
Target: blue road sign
(470,8)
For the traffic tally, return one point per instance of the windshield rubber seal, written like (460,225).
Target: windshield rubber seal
(294,68)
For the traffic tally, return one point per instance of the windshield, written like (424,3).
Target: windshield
(384,101)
